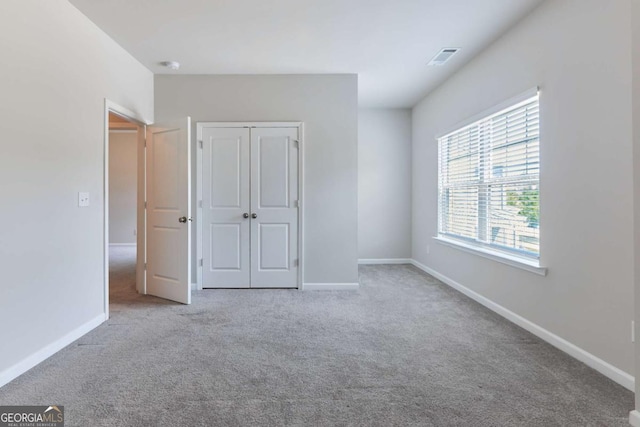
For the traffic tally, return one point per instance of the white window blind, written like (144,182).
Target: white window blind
(489,174)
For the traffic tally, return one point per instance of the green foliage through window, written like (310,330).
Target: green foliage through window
(528,203)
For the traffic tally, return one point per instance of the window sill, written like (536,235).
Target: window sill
(512,260)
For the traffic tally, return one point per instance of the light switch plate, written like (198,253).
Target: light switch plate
(83,199)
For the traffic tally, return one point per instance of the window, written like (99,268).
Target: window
(489,174)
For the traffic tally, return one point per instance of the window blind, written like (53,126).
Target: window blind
(489,173)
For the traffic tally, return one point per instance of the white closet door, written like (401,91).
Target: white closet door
(274,195)
(225,208)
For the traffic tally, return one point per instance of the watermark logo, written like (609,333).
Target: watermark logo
(32,416)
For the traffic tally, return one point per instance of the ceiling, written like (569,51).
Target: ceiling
(388,43)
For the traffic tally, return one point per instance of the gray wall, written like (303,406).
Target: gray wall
(586,177)
(328,106)
(384,184)
(123,181)
(635,22)
(52,119)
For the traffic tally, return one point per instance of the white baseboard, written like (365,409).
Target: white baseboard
(624,379)
(122,244)
(384,261)
(29,362)
(330,286)
(634,418)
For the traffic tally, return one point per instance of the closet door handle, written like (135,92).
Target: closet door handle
(245,215)
(254,216)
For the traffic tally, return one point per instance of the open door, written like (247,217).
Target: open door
(169,210)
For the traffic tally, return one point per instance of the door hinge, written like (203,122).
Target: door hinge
(201,143)
(297,203)
(297,142)
(145,265)
(145,204)
(201,262)
(295,262)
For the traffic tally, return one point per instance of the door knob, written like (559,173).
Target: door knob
(182,219)
(254,216)
(245,215)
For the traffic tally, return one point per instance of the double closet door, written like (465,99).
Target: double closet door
(249,207)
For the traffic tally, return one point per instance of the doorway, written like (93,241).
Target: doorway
(123,169)
(249,205)
(163,214)
(124,224)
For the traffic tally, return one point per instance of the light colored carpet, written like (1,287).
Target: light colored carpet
(404,350)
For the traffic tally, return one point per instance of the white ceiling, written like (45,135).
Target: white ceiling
(388,43)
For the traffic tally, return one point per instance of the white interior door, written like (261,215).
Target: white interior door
(274,211)
(225,208)
(168,211)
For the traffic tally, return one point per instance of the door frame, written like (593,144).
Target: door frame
(200,126)
(112,107)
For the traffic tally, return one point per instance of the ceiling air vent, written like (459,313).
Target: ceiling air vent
(443,56)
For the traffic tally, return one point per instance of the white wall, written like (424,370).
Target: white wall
(123,181)
(579,53)
(328,106)
(384,184)
(58,68)
(635,73)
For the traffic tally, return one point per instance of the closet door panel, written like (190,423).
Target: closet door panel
(274,193)
(225,201)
